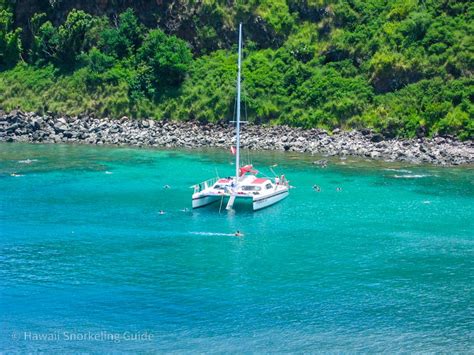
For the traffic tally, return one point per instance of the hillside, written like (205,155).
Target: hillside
(401,67)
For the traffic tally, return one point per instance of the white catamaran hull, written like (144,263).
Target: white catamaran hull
(202,201)
(259,203)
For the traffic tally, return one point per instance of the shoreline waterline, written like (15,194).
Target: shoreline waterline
(18,126)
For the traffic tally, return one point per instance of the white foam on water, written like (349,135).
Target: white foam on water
(399,170)
(27,161)
(406,176)
(215,234)
(108,172)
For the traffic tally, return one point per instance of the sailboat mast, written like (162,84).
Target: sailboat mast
(237,126)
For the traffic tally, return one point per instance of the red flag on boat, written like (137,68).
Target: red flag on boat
(247,169)
(232,150)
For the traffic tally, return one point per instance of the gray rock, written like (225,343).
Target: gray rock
(17,126)
(60,126)
(377,137)
(12,128)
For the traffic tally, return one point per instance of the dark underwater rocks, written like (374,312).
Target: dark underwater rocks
(18,126)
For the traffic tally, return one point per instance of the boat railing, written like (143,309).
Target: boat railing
(205,184)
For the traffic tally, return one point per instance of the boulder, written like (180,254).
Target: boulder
(377,137)
(60,126)
(12,128)
(62,120)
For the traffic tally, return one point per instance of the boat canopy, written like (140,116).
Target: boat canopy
(259,181)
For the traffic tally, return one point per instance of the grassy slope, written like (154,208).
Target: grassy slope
(401,67)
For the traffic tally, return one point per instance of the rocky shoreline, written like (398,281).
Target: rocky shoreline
(18,126)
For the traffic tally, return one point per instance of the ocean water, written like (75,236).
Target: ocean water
(88,264)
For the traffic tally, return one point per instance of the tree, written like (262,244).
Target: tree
(167,58)
(63,45)
(45,40)
(77,35)
(125,39)
(10,42)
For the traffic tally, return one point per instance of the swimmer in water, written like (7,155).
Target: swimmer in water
(161,212)
(185,209)
(166,186)
(238,234)
(338,189)
(316,188)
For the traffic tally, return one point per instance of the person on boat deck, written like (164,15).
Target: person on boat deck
(277,180)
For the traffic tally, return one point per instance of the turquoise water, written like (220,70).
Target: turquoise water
(88,264)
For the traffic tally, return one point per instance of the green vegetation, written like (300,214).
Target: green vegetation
(10,43)
(401,67)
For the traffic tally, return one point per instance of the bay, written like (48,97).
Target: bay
(87,261)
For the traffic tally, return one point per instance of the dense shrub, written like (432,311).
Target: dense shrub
(166,57)
(62,45)
(124,39)
(10,42)
(402,67)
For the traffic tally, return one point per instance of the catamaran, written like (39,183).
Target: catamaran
(245,186)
